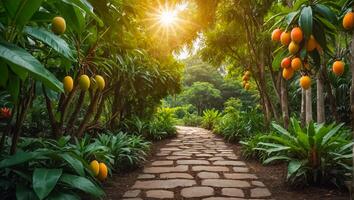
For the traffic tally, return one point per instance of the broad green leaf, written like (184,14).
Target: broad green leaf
(19,71)
(274,158)
(62,196)
(86,6)
(331,133)
(293,167)
(21,11)
(22,58)
(44,181)
(24,193)
(306,21)
(291,17)
(325,12)
(74,162)
(54,41)
(82,183)
(19,158)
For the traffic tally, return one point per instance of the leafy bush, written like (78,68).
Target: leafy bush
(210,118)
(54,171)
(182,111)
(249,147)
(192,120)
(49,169)
(236,124)
(316,154)
(162,125)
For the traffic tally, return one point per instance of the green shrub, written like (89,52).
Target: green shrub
(182,111)
(45,168)
(192,120)
(249,147)
(315,154)
(55,171)
(162,124)
(237,124)
(210,118)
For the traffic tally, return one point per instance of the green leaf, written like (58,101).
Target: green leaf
(282,53)
(86,6)
(24,193)
(21,11)
(306,21)
(23,59)
(325,12)
(19,158)
(293,167)
(54,41)
(82,184)
(62,196)
(74,162)
(44,181)
(274,158)
(331,133)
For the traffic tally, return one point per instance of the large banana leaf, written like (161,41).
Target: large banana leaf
(54,41)
(18,56)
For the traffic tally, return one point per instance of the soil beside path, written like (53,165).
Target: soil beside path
(196,165)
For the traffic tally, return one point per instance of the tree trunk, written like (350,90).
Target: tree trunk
(308,94)
(303,108)
(331,97)
(320,100)
(284,103)
(352,100)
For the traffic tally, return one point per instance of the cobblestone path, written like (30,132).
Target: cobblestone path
(196,165)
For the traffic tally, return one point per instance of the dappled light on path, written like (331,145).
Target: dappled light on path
(197,165)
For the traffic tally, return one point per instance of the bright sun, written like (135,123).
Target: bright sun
(168,17)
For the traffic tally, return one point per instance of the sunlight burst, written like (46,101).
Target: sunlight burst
(168,18)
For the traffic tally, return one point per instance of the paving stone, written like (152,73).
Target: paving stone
(170,149)
(216,158)
(132,199)
(132,193)
(197,191)
(210,168)
(240,176)
(146,176)
(234,192)
(176,175)
(163,184)
(229,162)
(193,162)
(223,198)
(258,183)
(208,175)
(162,162)
(157,170)
(241,169)
(177,157)
(260,192)
(160,194)
(204,155)
(226,183)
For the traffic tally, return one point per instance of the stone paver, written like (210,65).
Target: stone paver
(197,165)
(197,192)
(160,194)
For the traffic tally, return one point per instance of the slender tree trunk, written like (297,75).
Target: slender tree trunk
(352,102)
(331,97)
(284,103)
(303,107)
(90,111)
(320,100)
(308,94)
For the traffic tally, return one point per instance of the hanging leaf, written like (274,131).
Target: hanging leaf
(325,12)
(306,21)
(18,56)
(74,162)
(21,11)
(54,41)
(86,6)
(44,181)
(82,184)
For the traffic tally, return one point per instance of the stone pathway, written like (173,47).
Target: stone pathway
(197,165)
